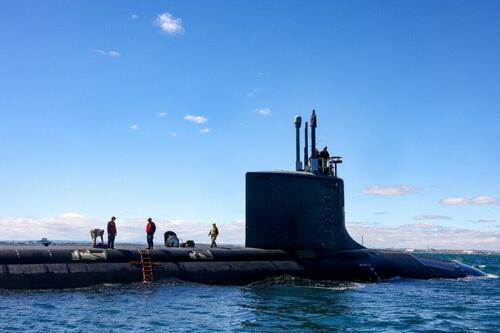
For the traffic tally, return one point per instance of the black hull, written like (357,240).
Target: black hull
(58,268)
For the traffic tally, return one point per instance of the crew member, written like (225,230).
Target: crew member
(213,233)
(94,233)
(150,231)
(324,156)
(111,233)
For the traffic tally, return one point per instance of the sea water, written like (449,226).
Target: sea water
(283,304)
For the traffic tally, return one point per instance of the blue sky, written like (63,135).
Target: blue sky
(140,109)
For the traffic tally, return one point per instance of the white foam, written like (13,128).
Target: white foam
(292,281)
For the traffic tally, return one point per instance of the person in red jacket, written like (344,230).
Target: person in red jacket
(150,231)
(111,233)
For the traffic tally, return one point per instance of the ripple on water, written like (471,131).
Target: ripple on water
(44,306)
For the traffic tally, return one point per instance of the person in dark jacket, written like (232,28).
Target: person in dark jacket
(150,231)
(324,156)
(111,233)
(324,153)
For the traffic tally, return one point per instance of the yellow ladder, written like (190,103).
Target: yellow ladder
(147,268)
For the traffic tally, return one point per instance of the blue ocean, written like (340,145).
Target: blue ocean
(282,304)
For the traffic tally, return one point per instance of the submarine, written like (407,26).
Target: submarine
(295,225)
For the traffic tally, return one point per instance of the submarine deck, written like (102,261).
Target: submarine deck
(34,266)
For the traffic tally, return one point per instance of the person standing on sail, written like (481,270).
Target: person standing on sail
(150,231)
(213,233)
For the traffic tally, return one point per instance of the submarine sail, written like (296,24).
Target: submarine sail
(298,210)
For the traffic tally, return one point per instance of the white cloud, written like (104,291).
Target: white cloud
(365,223)
(481,200)
(134,17)
(431,217)
(423,235)
(68,226)
(485,200)
(173,134)
(71,216)
(169,24)
(162,114)
(395,190)
(205,130)
(254,92)
(196,119)
(263,111)
(134,127)
(483,221)
(453,201)
(111,54)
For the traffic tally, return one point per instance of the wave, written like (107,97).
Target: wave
(293,281)
(473,278)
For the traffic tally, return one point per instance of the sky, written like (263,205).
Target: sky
(157,109)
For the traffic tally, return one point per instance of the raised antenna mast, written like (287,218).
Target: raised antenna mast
(314,158)
(306,148)
(298,123)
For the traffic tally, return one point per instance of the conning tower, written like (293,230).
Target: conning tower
(301,209)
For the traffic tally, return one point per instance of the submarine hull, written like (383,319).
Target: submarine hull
(54,269)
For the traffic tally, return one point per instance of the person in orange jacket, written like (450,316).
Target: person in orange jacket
(150,231)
